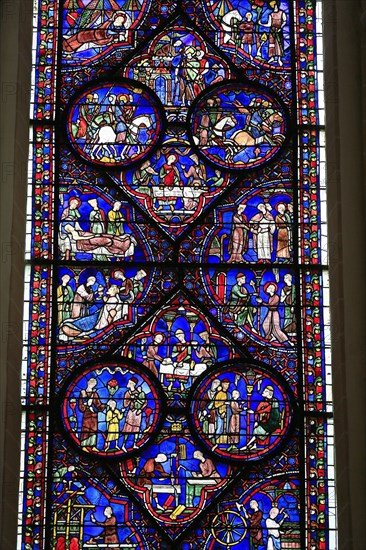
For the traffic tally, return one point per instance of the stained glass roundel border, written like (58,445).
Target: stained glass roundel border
(112,409)
(238,126)
(241,411)
(115,124)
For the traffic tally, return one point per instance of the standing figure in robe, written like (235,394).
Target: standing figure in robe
(221,399)
(238,243)
(126,293)
(152,353)
(254,519)
(284,234)
(234,423)
(134,401)
(263,226)
(65,298)
(288,298)
(247,28)
(115,220)
(96,218)
(271,322)
(191,70)
(97,225)
(90,404)
(276,22)
(112,418)
(169,177)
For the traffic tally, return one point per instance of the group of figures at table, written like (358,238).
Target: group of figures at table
(268,233)
(105,237)
(176,182)
(178,360)
(92,306)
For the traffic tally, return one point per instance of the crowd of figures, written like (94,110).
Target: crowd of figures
(246,308)
(176,182)
(85,308)
(104,238)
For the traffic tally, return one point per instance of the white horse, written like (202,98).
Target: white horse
(228,22)
(223,125)
(141,121)
(106,137)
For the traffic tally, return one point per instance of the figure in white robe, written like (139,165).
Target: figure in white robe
(263,226)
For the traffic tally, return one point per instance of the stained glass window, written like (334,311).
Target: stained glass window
(176,380)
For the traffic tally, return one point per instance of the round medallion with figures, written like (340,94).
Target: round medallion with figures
(112,410)
(115,124)
(237,126)
(240,411)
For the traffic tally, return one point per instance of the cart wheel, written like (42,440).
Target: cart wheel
(229,528)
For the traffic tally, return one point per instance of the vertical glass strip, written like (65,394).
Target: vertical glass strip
(38,277)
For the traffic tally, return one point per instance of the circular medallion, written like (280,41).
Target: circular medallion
(237,126)
(112,410)
(115,125)
(240,412)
